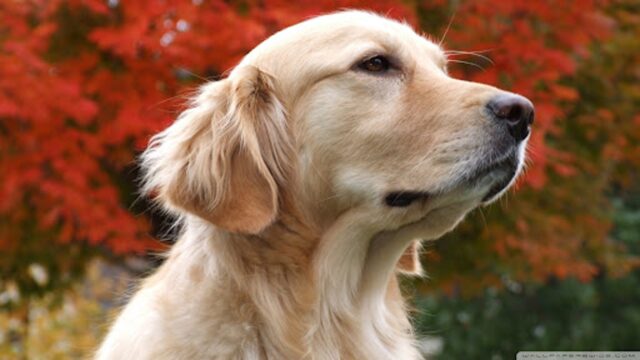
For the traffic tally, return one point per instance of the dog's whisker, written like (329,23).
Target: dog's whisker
(446,31)
(485,51)
(483,217)
(467,63)
(470,53)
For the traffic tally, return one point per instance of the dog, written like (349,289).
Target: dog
(302,182)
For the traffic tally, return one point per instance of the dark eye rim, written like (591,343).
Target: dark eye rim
(378,61)
(387,62)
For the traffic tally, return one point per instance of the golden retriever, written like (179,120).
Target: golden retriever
(302,182)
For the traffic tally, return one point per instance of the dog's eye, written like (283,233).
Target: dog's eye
(376,64)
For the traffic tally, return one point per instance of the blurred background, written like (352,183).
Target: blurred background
(84,83)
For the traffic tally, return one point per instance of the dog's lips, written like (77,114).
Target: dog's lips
(502,173)
(497,176)
(404,198)
(501,185)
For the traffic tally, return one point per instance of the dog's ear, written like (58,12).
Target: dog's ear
(227,157)
(409,263)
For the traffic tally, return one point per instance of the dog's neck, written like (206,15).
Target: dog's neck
(319,292)
(354,265)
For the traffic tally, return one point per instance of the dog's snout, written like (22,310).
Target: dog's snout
(516,111)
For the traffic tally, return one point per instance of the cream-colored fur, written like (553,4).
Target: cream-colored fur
(278,175)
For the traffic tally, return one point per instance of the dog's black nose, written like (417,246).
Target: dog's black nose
(516,111)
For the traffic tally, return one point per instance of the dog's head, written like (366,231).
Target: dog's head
(349,110)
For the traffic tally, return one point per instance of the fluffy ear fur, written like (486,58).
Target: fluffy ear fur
(227,157)
(409,263)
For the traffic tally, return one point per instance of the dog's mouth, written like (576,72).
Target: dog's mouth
(404,198)
(499,174)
